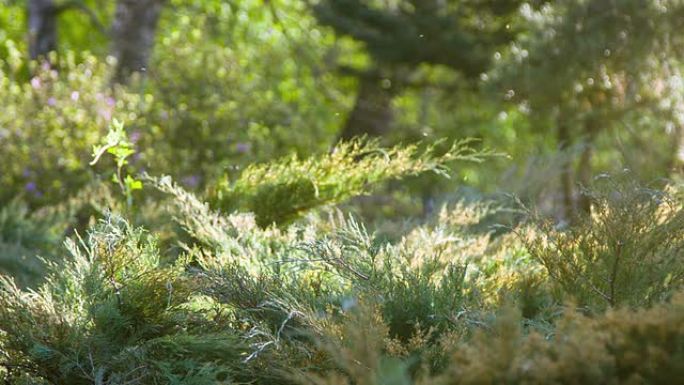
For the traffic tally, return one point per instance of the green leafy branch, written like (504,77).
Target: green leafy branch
(117,144)
(282,191)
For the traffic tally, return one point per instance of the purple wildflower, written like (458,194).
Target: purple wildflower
(191,181)
(52,102)
(75,95)
(106,114)
(135,136)
(35,83)
(242,147)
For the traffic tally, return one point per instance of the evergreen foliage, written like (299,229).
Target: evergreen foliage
(458,34)
(280,192)
(627,253)
(603,350)
(325,301)
(23,236)
(112,313)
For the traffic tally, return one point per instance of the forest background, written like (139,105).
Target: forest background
(222,191)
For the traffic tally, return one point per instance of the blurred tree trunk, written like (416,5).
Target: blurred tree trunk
(675,163)
(133,34)
(584,166)
(372,113)
(42,28)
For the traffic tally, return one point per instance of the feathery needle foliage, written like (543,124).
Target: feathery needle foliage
(280,192)
(112,314)
(628,252)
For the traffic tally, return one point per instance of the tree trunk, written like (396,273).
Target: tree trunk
(133,34)
(372,112)
(42,28)
(584,165)
(676,161)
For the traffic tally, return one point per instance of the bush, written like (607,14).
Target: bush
(113,314)
(280,192)
(52,122)
(227,93)
(628,252)
(621,346)
(602,350)
(25,237)
(325,301)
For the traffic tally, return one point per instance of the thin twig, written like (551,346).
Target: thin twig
(613,276)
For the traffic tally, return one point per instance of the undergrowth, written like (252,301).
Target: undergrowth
(322,299)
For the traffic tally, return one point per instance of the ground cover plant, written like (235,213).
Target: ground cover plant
(341,192)
(324,300)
